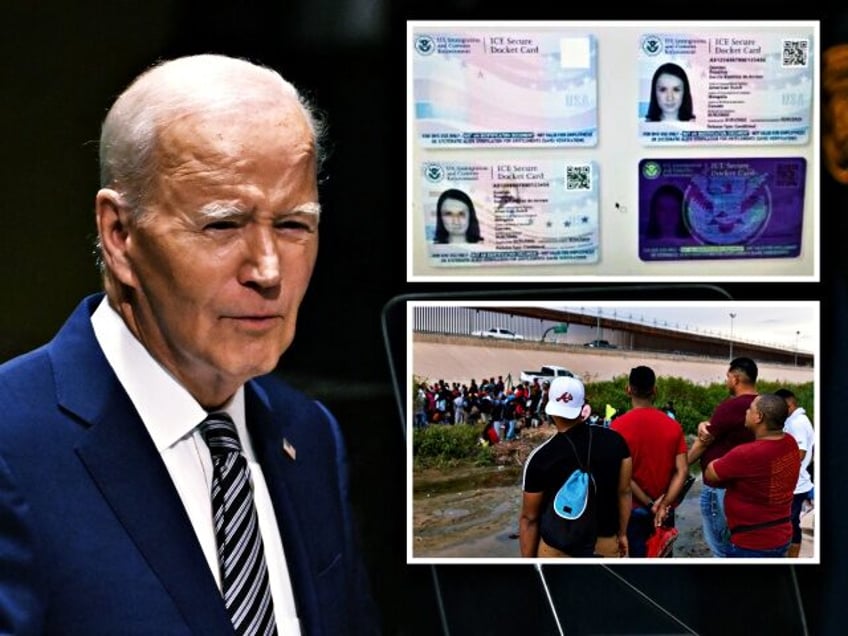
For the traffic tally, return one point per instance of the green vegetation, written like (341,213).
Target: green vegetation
(444,446)
(441,446)
(693,402)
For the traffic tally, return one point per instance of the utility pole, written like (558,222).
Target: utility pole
(732,316)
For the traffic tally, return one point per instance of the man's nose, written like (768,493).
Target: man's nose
(262,262)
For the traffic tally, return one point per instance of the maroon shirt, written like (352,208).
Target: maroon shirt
(727,426)
(760,478)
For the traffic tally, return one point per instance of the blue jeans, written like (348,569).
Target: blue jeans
(716,533)
(797,504)
(734,551)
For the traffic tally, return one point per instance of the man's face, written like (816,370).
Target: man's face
(752,415)
(223,255)
(731,381)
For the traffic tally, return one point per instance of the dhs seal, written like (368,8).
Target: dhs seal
(425,45)
(727,209)
(434,173)
(651,170)
(652,45)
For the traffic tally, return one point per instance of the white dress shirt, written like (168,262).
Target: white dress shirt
(172,416)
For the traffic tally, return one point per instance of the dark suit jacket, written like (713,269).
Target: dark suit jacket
(93,536)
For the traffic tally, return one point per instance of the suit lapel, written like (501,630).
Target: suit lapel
(267,433)
(127,469)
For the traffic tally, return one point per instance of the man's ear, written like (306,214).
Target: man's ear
(113,219)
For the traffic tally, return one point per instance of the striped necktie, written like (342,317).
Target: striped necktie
(244,573)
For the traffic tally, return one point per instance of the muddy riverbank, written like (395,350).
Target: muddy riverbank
(483,522)
(473,512)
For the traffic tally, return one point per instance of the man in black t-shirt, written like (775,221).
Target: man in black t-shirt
(550,464)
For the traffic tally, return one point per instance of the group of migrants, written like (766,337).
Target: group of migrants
(501,408)
(754,454)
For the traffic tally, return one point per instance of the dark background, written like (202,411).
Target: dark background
(62,67)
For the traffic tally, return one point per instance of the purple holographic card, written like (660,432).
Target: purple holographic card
(691,209)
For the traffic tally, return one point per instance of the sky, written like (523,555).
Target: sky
(780,324)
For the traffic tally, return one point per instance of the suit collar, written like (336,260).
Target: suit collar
(85,384)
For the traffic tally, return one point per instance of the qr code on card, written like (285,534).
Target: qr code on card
(796,53)
(578,177)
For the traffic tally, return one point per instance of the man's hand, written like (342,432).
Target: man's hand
(623,546)
(660,510)
(704,432)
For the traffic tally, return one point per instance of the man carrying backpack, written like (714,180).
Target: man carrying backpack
(576,499)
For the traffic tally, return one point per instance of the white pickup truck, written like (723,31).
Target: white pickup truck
(547,372)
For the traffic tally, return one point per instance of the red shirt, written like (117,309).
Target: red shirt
(760,478)
(654,440)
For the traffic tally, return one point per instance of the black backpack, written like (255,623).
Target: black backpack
(569,521)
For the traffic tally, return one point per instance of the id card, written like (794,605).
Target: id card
(720,208)
(495,88)
(714,88)
(510,212)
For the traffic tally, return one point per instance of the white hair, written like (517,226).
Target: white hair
(170,89)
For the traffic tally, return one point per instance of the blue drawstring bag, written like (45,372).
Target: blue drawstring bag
(569,521)
(571,499)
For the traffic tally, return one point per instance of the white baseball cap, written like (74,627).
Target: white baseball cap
(565,398)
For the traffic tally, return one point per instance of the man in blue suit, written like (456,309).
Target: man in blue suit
(207,223)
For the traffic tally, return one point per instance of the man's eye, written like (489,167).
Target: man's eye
(292,224)
(221,225)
